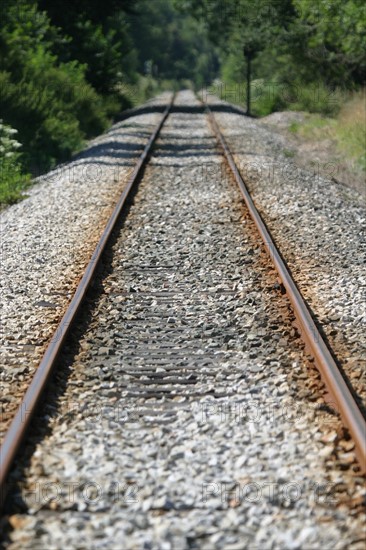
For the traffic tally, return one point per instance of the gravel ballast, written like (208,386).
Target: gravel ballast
(47,240)
(319,227)
(184,413)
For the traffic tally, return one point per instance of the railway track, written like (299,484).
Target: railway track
(187,311)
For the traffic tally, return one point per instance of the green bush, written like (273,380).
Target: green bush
(317,98)
(267,97)
(51,103)
(12,179)
(270,96)
(54,110)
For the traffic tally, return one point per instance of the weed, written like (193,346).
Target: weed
(12,179)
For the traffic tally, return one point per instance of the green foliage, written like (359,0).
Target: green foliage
(268,97)
(51,104)
(317,98)
(67,70)
(350,129)
(271,96)
(172,45)
(335,32)
(104,48)
(12,179)
(313,49)
(346,130)
(294,127)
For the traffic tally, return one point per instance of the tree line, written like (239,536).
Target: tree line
(304,52)
(68,68)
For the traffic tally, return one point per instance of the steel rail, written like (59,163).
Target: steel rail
(330,373)
(16,432)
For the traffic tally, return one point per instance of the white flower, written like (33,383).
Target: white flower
(8,146)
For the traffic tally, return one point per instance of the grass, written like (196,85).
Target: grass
(351,129)
(270,96)
(315,127)
(12,179)
(12,182)
(289,153)
(347,130)
(294,127)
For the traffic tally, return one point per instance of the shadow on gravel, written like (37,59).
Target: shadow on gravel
(113,149)
(127,150)
(183,109)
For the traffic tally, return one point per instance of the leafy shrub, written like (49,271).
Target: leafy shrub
(270,96)
(12,179)
(51,104)
(54,110)
(317,98)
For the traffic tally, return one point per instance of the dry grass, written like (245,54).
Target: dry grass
(350,130)
(341,139)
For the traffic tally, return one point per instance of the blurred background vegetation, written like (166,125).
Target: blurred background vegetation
(68,68)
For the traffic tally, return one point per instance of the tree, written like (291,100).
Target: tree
(50,103)
(335,35)
(174,41)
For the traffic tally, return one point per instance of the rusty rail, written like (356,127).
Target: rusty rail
(330,373)
(16,432)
